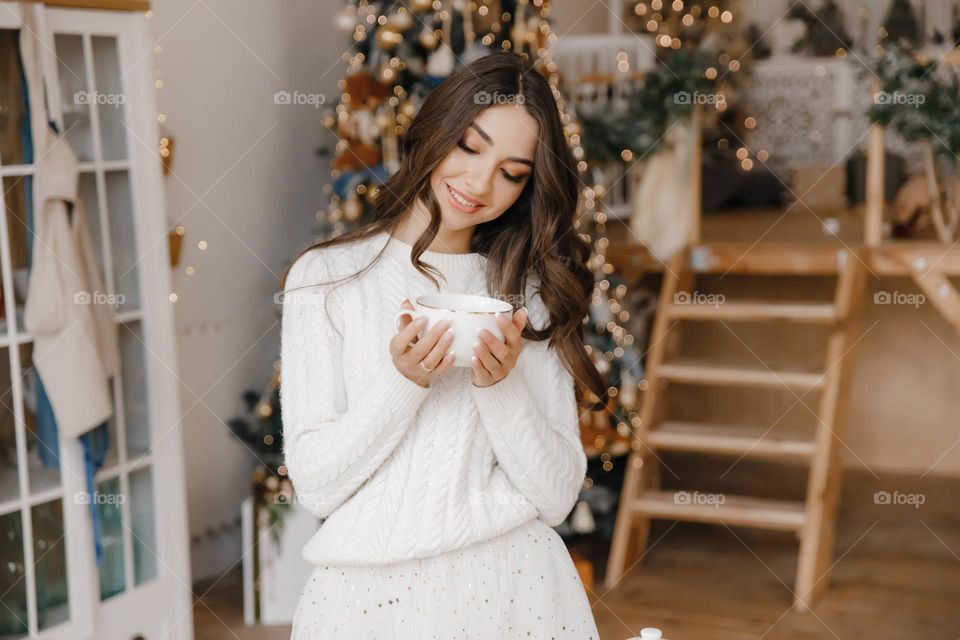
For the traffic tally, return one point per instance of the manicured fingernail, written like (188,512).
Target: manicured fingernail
(474,359)
(450,332)
(476,345)
(451,353)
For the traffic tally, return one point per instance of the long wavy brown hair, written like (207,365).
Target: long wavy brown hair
(536,236)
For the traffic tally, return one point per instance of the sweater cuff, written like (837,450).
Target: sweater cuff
(404,394)
(503,397)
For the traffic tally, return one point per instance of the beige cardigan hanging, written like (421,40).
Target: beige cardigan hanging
(76,348)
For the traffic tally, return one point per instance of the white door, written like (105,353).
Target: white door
(104,66)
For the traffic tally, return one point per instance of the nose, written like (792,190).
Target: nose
(478,180)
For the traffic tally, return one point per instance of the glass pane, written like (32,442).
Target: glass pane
(134,390)
(74,96)
(87,190)
(9,480)
(142,511)
(50,560)
(14,123)
(110,99)
(15,194)
(43,452)
(13,586)
(122,240)
(112,456)
(108,501)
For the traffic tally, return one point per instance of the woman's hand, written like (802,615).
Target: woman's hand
(419,359)
(493,359)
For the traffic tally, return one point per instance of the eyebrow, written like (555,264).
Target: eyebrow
(486,136)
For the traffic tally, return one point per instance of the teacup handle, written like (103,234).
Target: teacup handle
(404,312)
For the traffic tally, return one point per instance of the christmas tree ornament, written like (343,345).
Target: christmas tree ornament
(472,50)
(388,38)
(519,30)
(400,21)
(428,39)
(440,64)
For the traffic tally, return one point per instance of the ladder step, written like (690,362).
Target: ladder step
(720,375)
(746,311)
(728,439)
(745,511)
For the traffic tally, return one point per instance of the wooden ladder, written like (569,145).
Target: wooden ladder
(813,519)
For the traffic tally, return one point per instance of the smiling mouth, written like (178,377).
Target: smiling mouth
(461,201)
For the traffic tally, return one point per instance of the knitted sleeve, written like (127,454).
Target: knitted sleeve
(333,441)
(532,422)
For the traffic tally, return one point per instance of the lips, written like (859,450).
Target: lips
(458,204)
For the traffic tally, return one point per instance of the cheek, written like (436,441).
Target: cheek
(506,195)
(450,166)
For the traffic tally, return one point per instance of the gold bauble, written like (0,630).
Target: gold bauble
(408,109)
(388,38)
(428,39)
(401,20)
(421,5)
(372,193)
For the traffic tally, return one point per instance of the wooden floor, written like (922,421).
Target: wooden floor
(896,577)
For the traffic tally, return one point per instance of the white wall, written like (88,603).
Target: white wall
(248,183)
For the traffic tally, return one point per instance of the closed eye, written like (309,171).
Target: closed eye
(506,174)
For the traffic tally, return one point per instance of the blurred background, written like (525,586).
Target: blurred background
(771,190)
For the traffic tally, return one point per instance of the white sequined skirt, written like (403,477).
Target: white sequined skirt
(521,584)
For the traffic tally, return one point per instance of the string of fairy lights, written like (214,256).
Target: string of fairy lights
(165,148)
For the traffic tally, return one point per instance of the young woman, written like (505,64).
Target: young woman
(439,485)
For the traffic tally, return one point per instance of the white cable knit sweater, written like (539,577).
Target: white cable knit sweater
(397,470)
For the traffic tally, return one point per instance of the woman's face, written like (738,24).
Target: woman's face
(488,168)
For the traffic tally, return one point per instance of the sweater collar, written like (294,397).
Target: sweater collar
(442,260)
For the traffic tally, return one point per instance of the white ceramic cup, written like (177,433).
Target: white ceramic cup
(466,313)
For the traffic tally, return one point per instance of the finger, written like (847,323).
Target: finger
(497,347)
(480,372)
(439,351)
(445,364)
(406,335)
(509,329)
(487,359)
(423,346)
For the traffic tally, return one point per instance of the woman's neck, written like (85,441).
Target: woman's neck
(415,222)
